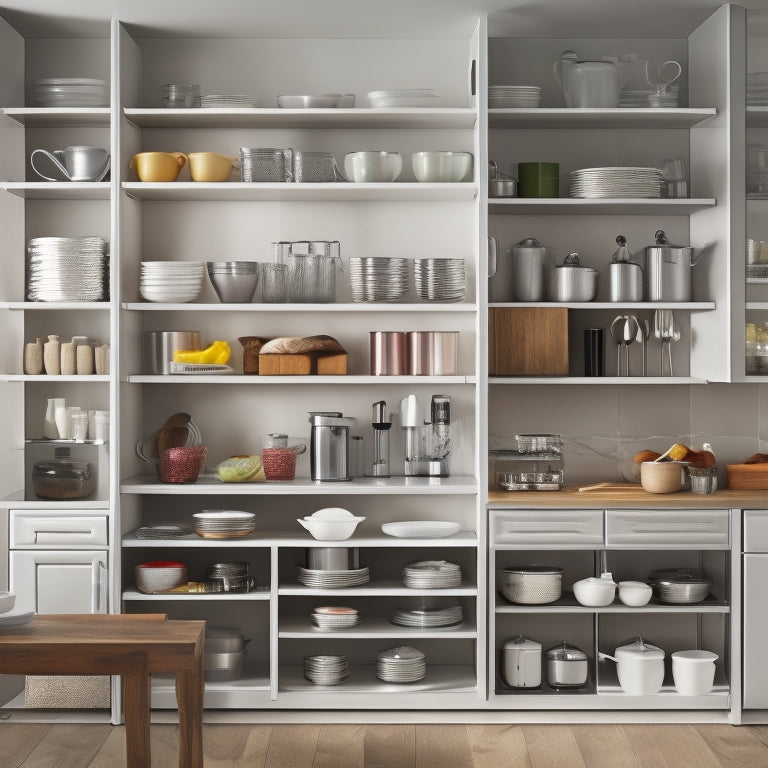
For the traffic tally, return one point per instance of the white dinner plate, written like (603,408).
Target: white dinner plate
(420,529)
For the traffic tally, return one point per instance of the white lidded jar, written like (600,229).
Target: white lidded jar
(640,667)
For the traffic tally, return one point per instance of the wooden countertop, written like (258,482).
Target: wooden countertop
(626,496)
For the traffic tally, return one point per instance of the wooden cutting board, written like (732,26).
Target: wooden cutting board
(611,488)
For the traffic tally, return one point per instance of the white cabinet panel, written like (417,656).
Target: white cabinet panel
(756,530)
(51,529)
(755,628)
(561,528)
(667,529)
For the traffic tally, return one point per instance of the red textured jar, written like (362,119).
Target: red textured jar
(182,465)
(279,463)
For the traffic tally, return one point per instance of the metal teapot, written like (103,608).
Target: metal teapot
(592,84)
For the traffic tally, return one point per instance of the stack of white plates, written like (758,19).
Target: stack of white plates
(431,574)
(223,523)
(636,99)
(757,89)
(439,279)
(171,281)
(161,532)
(403,97)
(424,618)
(335,617)
(332,579)
(67,269)
(219,100)
(420,529)
(69,92)
(513,96)
(378,278)
(401,665)
(616,182)
(326,670)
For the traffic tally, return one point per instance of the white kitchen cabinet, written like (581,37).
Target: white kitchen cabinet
(755,573)
(601,630)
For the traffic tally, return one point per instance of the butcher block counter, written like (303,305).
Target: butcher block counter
(625,496)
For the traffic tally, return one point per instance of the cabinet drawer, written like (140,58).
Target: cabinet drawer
(756,530)
(667,529)
(562,528)
(50,529)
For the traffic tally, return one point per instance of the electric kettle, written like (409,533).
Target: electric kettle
(592,84)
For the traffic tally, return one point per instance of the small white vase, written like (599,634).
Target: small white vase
(63,418)
(50,430)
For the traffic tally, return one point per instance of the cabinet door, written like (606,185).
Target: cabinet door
(59,582)
(667,529)
(562,529)
(755,673)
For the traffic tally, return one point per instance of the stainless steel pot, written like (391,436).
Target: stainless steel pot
(530,262)
(626,275)
(567,666)
(502,188)
(571,282)
(159,347)
(668,270)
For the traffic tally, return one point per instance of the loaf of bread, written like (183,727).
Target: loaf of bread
(756,458)
(642,456)
(298,345)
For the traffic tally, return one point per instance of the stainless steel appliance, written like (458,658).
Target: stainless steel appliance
(567,666)
(521,662)
(626,275)
(329,446)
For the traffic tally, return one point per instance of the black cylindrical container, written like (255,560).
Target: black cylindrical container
(594,351)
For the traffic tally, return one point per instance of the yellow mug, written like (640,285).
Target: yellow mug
(158,166)
(210,166)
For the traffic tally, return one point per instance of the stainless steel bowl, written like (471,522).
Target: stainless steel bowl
(502,187)
(693,591)
(235,282)
(568,283)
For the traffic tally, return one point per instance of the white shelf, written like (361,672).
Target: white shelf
(371,627)
(682,306)
(557,118)
(58,190)
(210,486)
(59,116)
(288,539)
(496,380)
(90,378)
(542,206)
(248,692)
(569,604)
(260,594)
(334,192)
(428,118)
(368,307)
(375,588)
(341,380)
(38,306)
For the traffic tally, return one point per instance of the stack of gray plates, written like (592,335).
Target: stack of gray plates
(332,579)
(431,574)
(224,523)
(378,278)
(423,618)
(401,665)
(162,532)
(616,182)
(69,92)
(334,617)
(67,269)
(219,100)
(634,99)
(326,670)
(513,96)
(439,279)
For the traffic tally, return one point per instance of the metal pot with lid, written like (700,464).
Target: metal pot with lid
(640,667)
(567,666)
(626,275)
(570,281)
(521,662)
(668,269)
(530,263)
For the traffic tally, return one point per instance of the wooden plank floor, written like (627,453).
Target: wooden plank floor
(24,745)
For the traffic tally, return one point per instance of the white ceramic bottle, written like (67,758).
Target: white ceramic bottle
(50,430)
(63,418)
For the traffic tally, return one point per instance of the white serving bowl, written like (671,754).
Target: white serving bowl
(373,167)
(595,592)
(7,601)
(634,593)
(441,167)
(330,528)
(159,575)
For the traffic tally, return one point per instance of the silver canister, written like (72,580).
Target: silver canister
(567,666)
(329,446)
(625,275)
(333,558)
(432,353)
(159,347)
(387,353)
(530,263)
(668,269)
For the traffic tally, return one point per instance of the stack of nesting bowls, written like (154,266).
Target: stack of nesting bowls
(234,281)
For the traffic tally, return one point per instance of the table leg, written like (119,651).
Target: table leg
(136,710)
(189,696)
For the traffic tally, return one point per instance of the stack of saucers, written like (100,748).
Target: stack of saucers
(69,92)
(424,618)
(630,99)
(223,523)
(439,279)
(401,665)
(513,96)
(171,281)
(378,278)
(431,574)
(326,670)
(162,532)
(67,269)
(353,577)
(616,182)
(335,617)
(220,100)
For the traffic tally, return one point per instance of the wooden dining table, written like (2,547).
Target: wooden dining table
(133,646)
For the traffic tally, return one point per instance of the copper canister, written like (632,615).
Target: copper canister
(387,353)
(433,353)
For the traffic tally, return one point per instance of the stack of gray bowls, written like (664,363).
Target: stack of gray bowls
(235,282)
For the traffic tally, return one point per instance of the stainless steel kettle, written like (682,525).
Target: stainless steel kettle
(668,269)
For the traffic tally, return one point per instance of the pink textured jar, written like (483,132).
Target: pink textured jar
(182,465)
(279,463)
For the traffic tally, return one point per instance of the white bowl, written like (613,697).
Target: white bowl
(693,672)
(373,167)
(7,601)
(441,167)
(330,530)
(159,575)
(595,592)
(634,593)
(332,513)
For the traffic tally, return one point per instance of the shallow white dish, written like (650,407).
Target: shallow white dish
(15,617)
(420,529)
(316,101)
(7,601)
(403,97)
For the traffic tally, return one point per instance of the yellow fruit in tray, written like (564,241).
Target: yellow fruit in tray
(677,452)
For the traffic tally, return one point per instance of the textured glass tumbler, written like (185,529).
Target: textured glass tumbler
(274,283)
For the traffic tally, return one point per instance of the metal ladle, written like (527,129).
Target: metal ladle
(631,328)
(617,334)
